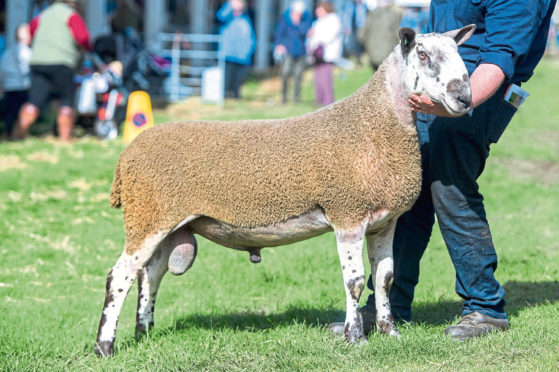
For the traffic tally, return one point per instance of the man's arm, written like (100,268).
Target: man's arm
(485,81)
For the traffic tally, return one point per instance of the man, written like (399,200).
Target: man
(380,32)
(58,34)
(290,47)
(508,43)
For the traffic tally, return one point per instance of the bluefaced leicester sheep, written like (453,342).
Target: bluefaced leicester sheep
(352,167)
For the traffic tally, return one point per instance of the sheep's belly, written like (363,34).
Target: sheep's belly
(306,226)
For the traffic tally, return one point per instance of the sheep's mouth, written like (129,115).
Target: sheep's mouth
(451,110)
(447,107)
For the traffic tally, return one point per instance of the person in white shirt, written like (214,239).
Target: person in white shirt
(324,42)
(15,76)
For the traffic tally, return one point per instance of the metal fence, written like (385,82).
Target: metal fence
(197,65)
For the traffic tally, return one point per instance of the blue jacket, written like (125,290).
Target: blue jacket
(511,34)
(239,41)
(292,36)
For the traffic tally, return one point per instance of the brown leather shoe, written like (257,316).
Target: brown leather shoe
(369,315)
(474,325)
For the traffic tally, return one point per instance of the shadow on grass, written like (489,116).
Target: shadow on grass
(519,296)
(256,321)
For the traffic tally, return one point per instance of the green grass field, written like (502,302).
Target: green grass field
(59,238)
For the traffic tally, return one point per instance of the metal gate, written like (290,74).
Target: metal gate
(197,65)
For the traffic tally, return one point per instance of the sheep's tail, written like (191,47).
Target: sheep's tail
(116,188)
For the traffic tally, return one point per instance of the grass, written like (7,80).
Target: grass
(59,238)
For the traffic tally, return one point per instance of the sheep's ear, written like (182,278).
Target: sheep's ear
(407,39)
(462,34)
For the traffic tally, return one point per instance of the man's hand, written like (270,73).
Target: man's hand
(280,49)
(485,81)
(425,105)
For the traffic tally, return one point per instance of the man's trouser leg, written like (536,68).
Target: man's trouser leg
(298,69)
(285,72)
(459,149)
(229,79)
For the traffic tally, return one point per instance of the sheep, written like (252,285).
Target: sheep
(352,167)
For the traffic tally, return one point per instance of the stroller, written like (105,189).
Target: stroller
(101,97)
(120,69)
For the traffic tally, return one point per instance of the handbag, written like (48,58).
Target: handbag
(318,54)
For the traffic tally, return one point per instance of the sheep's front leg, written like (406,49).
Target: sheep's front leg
(149,279)
(350,251)
(379,249)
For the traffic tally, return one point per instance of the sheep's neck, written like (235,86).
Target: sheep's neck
(394,77)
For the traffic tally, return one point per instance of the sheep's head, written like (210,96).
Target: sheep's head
(433,67)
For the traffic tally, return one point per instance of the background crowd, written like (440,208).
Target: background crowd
(320,38)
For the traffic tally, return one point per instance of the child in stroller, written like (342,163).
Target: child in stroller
(101,99)
(123,66)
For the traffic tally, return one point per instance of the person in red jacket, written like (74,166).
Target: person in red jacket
(59,33)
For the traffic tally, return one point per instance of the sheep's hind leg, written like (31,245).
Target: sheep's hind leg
(177,253)
(379,249)
(119,281)
(149,279)
(350,251)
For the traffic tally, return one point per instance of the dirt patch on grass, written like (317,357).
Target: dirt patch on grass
(269,87)
(49,195)
(43,156)
(548,136)
(543,172)
(80,184)
(190,109)
(11,162)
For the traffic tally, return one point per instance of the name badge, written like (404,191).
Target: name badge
(515,95)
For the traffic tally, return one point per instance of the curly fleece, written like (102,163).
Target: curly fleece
(350,159)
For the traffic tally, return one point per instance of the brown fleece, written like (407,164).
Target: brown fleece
(351,158)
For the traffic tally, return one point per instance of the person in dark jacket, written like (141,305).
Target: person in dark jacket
(290,47)
(508,43)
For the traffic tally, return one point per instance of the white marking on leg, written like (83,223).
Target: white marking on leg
(350,251)
(379,249)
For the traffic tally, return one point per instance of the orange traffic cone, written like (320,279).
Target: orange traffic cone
(139,116)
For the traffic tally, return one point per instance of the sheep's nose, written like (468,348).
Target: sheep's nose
(465,102)
(460,89)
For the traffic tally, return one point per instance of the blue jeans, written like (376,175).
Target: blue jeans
(454,151)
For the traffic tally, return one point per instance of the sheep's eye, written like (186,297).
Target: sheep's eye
(422,55)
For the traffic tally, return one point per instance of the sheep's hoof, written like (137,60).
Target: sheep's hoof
(354,334)
(361,340)
(104,349)
(388,328)
(142,330)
